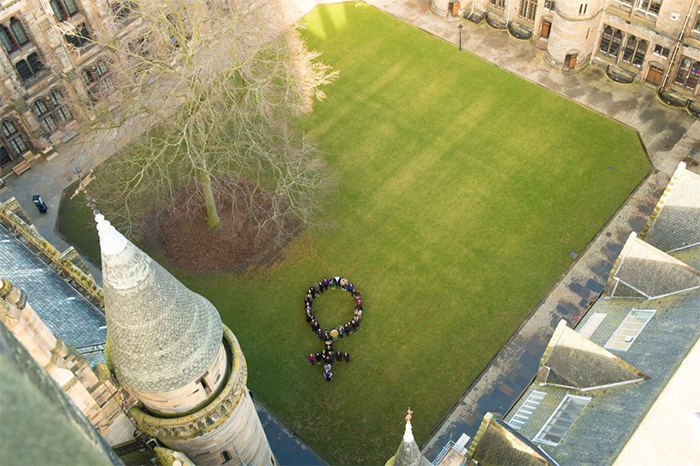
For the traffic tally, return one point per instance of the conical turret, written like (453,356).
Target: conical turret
(161,335)
(408,453)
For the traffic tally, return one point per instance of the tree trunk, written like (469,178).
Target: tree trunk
(213,219)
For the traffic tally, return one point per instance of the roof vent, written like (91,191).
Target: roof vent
(629,339)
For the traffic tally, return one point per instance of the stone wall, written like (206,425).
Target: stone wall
(229,425)
(100,401)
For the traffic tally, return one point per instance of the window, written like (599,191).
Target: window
(205,385)
(122,10)
(625,5)
(611,41)
(52,113)
(697,23)
(635,51)
(5,158)
(14,36)
(225,457)
(526,409)
(661,51)
(648,9)
(550,5)
(80,37)
(498,3)
(63,9)
(528,9)
(99,81)
(30,67)
(582,8)
(561,421)
(687,75)
(629,329)
(13,137)
(592,324)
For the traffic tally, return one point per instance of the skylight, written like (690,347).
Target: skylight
(629,329)
(561,421)
(592,324)
(526,410)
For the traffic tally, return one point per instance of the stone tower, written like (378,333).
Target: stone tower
(170,350)
(574,33)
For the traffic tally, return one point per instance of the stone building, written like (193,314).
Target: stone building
(47,61)
(170,350)
(655,42)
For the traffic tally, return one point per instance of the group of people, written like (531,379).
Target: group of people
(329,337)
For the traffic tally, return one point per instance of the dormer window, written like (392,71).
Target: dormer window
(14,36)
(64,9)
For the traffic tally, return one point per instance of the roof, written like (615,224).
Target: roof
(643,326)
(161,335)
(70,316)
(408,453)
(574,361)
(643,271)
(496,444)
(674,224)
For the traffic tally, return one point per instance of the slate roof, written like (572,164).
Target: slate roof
(497,444)
(70,316)
(600,432)
(644,270)
(643,279)
(574,361)
(161,335)
(675,224)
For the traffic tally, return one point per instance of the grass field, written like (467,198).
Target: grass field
(461,191)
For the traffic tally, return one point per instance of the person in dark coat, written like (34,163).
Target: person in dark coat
(309,316)
(341,331)
(319,332)
(348,329)
(346,356)
(351,287)
(314,326)
(329,345)
(339,356)
(353,323)
(328,376)
(357,322)
(312,358)
(320,287)
(318,357)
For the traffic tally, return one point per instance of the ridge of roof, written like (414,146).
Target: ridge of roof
(573,360)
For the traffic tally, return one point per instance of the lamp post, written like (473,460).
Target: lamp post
(460,36)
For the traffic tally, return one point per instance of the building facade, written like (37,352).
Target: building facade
(654,42)
(50,56)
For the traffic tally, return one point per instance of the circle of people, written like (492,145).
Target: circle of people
(327,357)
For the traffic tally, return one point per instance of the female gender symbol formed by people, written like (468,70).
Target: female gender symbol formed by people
(327,357)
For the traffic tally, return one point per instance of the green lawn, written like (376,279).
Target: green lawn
(462,189)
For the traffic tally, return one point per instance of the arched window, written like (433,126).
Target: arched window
(13,36)
(63,9)
(80,37)
(611,41)
(688,73)
(13,137)
(99,80)
(52,113)
(635,51)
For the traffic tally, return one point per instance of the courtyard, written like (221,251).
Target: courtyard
(461,192)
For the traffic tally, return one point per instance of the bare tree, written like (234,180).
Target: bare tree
(215,88)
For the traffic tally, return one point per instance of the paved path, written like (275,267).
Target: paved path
(668,134)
